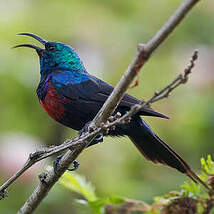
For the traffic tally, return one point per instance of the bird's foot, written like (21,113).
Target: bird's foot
(97,139)
(56,163)
(75,166)
(84,129)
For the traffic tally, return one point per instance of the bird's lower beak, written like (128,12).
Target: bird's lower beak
(38,49)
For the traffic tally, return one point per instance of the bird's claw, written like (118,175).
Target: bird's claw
(75,166)
(97,139)
(56,163)
(84,129)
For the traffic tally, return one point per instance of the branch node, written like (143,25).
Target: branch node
(36,154)
(107,131)
(92,127)
(43,177)
(144,54)
(3,194)
(118,115)
(141,47)
(156,93)
(195,55)
(111,119)
(102,125)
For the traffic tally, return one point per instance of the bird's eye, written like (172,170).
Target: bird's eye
(51,48)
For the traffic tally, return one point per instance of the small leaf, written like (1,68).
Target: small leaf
(78,183)
(98,206)
(204,165)
(115,200)
(209,161)
(191,189)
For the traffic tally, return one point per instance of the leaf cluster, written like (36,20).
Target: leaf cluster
(191,198)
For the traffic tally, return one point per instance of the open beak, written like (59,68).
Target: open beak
(38,49)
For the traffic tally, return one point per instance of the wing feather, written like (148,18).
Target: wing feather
(96,90)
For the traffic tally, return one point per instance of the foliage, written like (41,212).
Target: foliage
(78,184)
(190,199)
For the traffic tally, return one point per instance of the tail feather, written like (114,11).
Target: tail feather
(157,151)
(150,112)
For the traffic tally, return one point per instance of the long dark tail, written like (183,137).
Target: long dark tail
(157,151)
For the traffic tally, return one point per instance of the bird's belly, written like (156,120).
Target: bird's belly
(65,111)
(53,105)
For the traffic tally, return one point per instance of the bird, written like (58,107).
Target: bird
(73,97)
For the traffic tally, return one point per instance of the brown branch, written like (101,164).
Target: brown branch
(144,52)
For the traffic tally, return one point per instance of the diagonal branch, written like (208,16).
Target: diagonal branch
(47,180)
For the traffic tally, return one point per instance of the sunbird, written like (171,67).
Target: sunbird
(73,97)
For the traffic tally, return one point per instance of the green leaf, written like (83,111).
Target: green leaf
(204,165)
(78,183)
(99,205)
(207,165)
(209,160)
(115,200)
(210,165)
(191,189)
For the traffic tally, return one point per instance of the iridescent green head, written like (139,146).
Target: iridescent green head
(55,55)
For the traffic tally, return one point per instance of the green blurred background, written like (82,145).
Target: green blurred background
(105,34)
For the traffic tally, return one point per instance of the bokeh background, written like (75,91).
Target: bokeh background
(105,34)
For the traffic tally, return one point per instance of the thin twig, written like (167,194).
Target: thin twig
(143,54)
(45,153)
(181,79)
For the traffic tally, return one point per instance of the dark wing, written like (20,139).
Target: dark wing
(96,90)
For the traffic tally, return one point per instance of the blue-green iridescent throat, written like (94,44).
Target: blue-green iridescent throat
(60,56)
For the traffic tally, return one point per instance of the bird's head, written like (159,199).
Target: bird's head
(55,55)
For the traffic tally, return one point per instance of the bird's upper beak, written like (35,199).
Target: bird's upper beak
(38,49)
